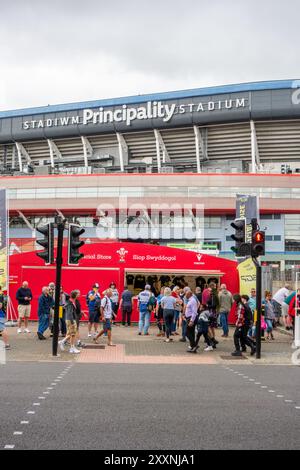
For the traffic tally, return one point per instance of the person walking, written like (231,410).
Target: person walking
(24,298)
(213,305)
(51,290)
(114,301)
(159,314)
(278,299)
(126,306)
(79,314)
(45,304)
(71,322)
(269,315)
(177,310)
(64,297)
(144,313)
(191,314)
(225,304)
(93,297)
(240,335)
(168,303)
(106,317)
(246,340)
(3,330)
(202,329)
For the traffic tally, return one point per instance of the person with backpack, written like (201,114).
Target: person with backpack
(92,297)
(168,303)
(159,314)
(202,330)
(145,309)
(114,301)
(106,316)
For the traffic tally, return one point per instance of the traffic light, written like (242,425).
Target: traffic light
(47,242)
(75,243)
(258,243)
(239,237)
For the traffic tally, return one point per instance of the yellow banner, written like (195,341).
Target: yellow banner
(247,273)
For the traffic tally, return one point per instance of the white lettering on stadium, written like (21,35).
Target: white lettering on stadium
(152,110)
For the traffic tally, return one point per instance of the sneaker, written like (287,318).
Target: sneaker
(74,351)
(89,335)
(253,351)
(167,340)
(190,348)
(19,331)
(182,340)
(40,336)
(237,354)
(27,331)
(61,345)
(140,334)
(208,348)
(7,347)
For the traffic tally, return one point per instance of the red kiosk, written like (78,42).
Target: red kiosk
(123,263)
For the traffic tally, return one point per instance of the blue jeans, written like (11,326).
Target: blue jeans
(175,321)
(224,322)
(43,323)
(269,325)
(144,322)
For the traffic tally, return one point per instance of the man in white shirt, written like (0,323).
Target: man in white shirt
(278,300)
(106,313)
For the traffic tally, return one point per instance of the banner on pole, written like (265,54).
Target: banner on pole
(3,240)
(247,273)
(247,208)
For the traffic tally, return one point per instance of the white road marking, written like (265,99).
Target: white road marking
(280,396)
(36,404)
(42,398)
(24,422)
(18,433)
(49,388)
(257,383)
(288,401)
(9,447)
(31,412)
(271,391)
(46,393)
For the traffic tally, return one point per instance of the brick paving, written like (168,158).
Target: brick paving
(131,348)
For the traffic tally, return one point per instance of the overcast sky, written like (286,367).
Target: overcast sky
(60,51)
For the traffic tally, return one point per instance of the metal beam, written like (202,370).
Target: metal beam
(123,151)
(161,146)
(255,160)
(198,146)
(31,227)
(22,152)
(54,151)
(87,150)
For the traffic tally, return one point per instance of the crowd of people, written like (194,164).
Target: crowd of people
(177,310)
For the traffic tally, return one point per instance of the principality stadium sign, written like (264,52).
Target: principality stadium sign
(127,115)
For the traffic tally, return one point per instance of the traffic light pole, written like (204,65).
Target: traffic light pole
(59,262)
(258,307)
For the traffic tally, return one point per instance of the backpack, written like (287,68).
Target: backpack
(151,304)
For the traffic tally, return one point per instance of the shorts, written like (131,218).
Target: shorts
(94,317)
(285,309)
(24,311)
(277,308)
(2,325)
(71,328)
(107,324)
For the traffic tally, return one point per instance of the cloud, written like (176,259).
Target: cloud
(63,51)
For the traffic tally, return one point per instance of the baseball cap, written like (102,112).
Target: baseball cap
(96,285)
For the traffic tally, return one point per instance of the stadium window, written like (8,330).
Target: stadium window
(277,238)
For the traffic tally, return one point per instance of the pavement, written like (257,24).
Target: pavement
(133,349)
(155,406)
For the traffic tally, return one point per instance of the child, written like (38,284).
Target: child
(202,329)
(3,332)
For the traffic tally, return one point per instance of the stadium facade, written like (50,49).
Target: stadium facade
(201,146)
